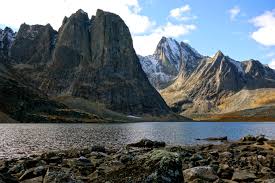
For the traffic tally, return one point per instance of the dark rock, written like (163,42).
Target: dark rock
(98,149)
(248,138)
(126,158)
(148,144)
(261,139)
(7,178)
(215,138)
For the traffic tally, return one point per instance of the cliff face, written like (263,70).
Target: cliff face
(87,58)
(33,44)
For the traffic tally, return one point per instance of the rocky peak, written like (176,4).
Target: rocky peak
(7,37)
(95,59)
(72,46)
(111,43)
(168,52)
(33,44)
(218,56)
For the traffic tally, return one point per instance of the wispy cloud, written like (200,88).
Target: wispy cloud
(176,26)
(146,44)
(234,12)
(182,13)
(265,33)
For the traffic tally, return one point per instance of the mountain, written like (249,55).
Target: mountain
(6,38)
(211,87)
(88,63)
(21,102)
(169,58)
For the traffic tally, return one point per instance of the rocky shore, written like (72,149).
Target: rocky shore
(251,159)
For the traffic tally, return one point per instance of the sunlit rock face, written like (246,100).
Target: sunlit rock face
(214,80)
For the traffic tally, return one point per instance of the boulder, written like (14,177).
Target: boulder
(148,144)
(243,175)
(248,138)
(57,175)
(166,166)
(205,173)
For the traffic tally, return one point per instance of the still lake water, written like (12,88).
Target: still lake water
(22,139)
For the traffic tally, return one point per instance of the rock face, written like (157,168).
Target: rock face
(93,59)
(214,80)
(169,58)
(96,60)
(33,44)
(6,38)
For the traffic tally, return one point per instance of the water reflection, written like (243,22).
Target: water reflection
(21,139)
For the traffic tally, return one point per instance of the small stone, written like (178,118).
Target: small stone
(226,155)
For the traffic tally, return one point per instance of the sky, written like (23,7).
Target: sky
(241,29)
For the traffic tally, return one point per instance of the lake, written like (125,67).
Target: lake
(18,140)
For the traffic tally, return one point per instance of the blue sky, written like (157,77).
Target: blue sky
(242,29)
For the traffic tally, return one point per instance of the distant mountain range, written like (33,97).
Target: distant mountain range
(196,85)
(88,71)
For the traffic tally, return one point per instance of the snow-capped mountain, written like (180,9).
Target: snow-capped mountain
(169,58)
(7,37)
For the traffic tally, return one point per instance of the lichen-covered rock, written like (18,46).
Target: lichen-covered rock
(58,175)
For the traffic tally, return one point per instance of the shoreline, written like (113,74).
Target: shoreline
(251,159)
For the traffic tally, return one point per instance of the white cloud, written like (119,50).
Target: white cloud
(272,64)
(145,32)
(265,34)
(146,44)
(234,12)
(182,13)
(53,12)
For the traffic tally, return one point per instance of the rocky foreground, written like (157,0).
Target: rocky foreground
(249,160)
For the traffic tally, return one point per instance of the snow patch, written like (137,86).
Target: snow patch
(237,64)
